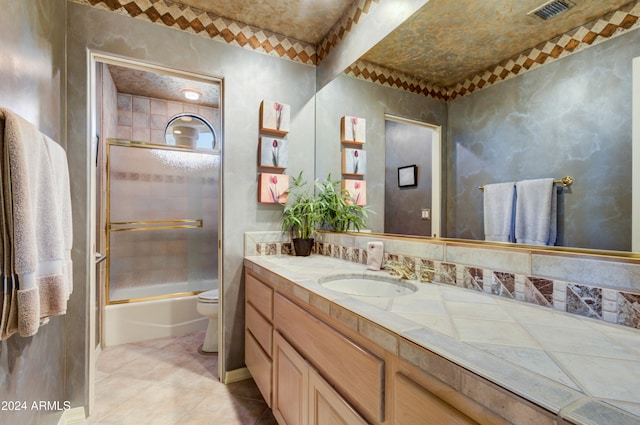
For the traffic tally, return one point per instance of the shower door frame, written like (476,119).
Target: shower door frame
(148,225)
(93,58)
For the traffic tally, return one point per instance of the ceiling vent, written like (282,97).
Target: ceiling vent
(551,9)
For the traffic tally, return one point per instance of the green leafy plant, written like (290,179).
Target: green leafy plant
(303,213)
(339,209)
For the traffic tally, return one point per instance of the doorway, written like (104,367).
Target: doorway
(131,105)
(412,177)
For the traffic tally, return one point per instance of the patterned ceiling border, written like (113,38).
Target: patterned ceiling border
(195,21)
(205,24)
(374,73)
(344,25)
(604,28)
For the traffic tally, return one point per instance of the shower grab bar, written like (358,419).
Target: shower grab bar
(136,226)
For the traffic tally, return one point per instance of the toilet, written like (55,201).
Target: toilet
(208,306)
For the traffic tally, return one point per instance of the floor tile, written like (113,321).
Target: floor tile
(167,382)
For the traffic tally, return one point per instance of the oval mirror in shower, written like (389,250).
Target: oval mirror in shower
(190,131)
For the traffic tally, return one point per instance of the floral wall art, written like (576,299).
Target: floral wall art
(354,162)
(357,190)
(352,129)
(275,117)
(274,153)
(272,188)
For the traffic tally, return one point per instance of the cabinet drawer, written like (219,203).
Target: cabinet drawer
(259,296)
(259,327)
(414,402)
(260,366)
(356,373)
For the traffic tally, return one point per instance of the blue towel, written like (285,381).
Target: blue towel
(536,212)
(498,212)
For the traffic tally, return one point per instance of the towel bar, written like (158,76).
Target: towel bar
(566,181)
(132,226)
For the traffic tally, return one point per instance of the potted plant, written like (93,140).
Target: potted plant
(339,210)
(301,216)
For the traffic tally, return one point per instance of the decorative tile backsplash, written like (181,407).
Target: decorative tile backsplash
(616,306)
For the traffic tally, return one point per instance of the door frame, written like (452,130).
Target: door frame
(93,58)
(436,169)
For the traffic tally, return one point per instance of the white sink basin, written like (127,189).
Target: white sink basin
(369,286)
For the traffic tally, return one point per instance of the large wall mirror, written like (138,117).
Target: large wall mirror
(571,116)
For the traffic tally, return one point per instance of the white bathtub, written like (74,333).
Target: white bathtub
(141,321)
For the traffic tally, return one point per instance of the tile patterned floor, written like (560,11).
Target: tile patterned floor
(166,382)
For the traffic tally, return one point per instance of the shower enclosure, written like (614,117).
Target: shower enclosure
(162,221)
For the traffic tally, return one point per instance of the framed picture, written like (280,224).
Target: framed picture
(274,153)
(275,117)
(357,189)
(272,188)
(353,129)
(354,162)
(408,176)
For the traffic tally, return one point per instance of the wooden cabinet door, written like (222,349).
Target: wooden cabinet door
(327,407)
(290,384)
(259,365)
(415,404)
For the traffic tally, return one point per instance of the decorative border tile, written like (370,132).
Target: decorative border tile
(344,26)
(209,25)
(205,24)
(609,305)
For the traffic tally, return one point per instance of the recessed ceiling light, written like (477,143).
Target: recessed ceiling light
(191,94)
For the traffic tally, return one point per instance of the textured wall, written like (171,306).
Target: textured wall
(349,96)
(248,79)
(32,72)
(571,117)
(407,144)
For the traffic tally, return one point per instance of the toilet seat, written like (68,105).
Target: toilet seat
(209,297)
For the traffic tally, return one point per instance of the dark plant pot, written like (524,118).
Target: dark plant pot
(302,247)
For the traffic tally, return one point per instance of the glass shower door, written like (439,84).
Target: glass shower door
(162,229)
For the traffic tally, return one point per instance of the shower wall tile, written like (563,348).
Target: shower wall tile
(141,134)
(124,132)
(159,107)
(125,102)
(158,122)
(141,104)
(144,119)
(174,108)
(157,136)
(141,120)
(125,118)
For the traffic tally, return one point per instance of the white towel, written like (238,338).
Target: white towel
(375,254)
(498,212)
(41,225)
(536,212)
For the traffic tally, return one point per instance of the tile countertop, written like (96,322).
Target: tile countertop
(584,370)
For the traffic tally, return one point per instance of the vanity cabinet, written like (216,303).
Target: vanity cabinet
(353,370)
(301,395)
(259,334)
(290,383)
(312,370)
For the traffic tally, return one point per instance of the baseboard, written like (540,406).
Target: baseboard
(72,416)
(236,375)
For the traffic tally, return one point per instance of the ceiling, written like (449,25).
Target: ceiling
(448,41)
(163,86)
(443,43)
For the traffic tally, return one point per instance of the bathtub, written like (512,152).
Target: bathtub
(145,320)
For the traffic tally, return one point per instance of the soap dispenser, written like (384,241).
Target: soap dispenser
(375,254)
